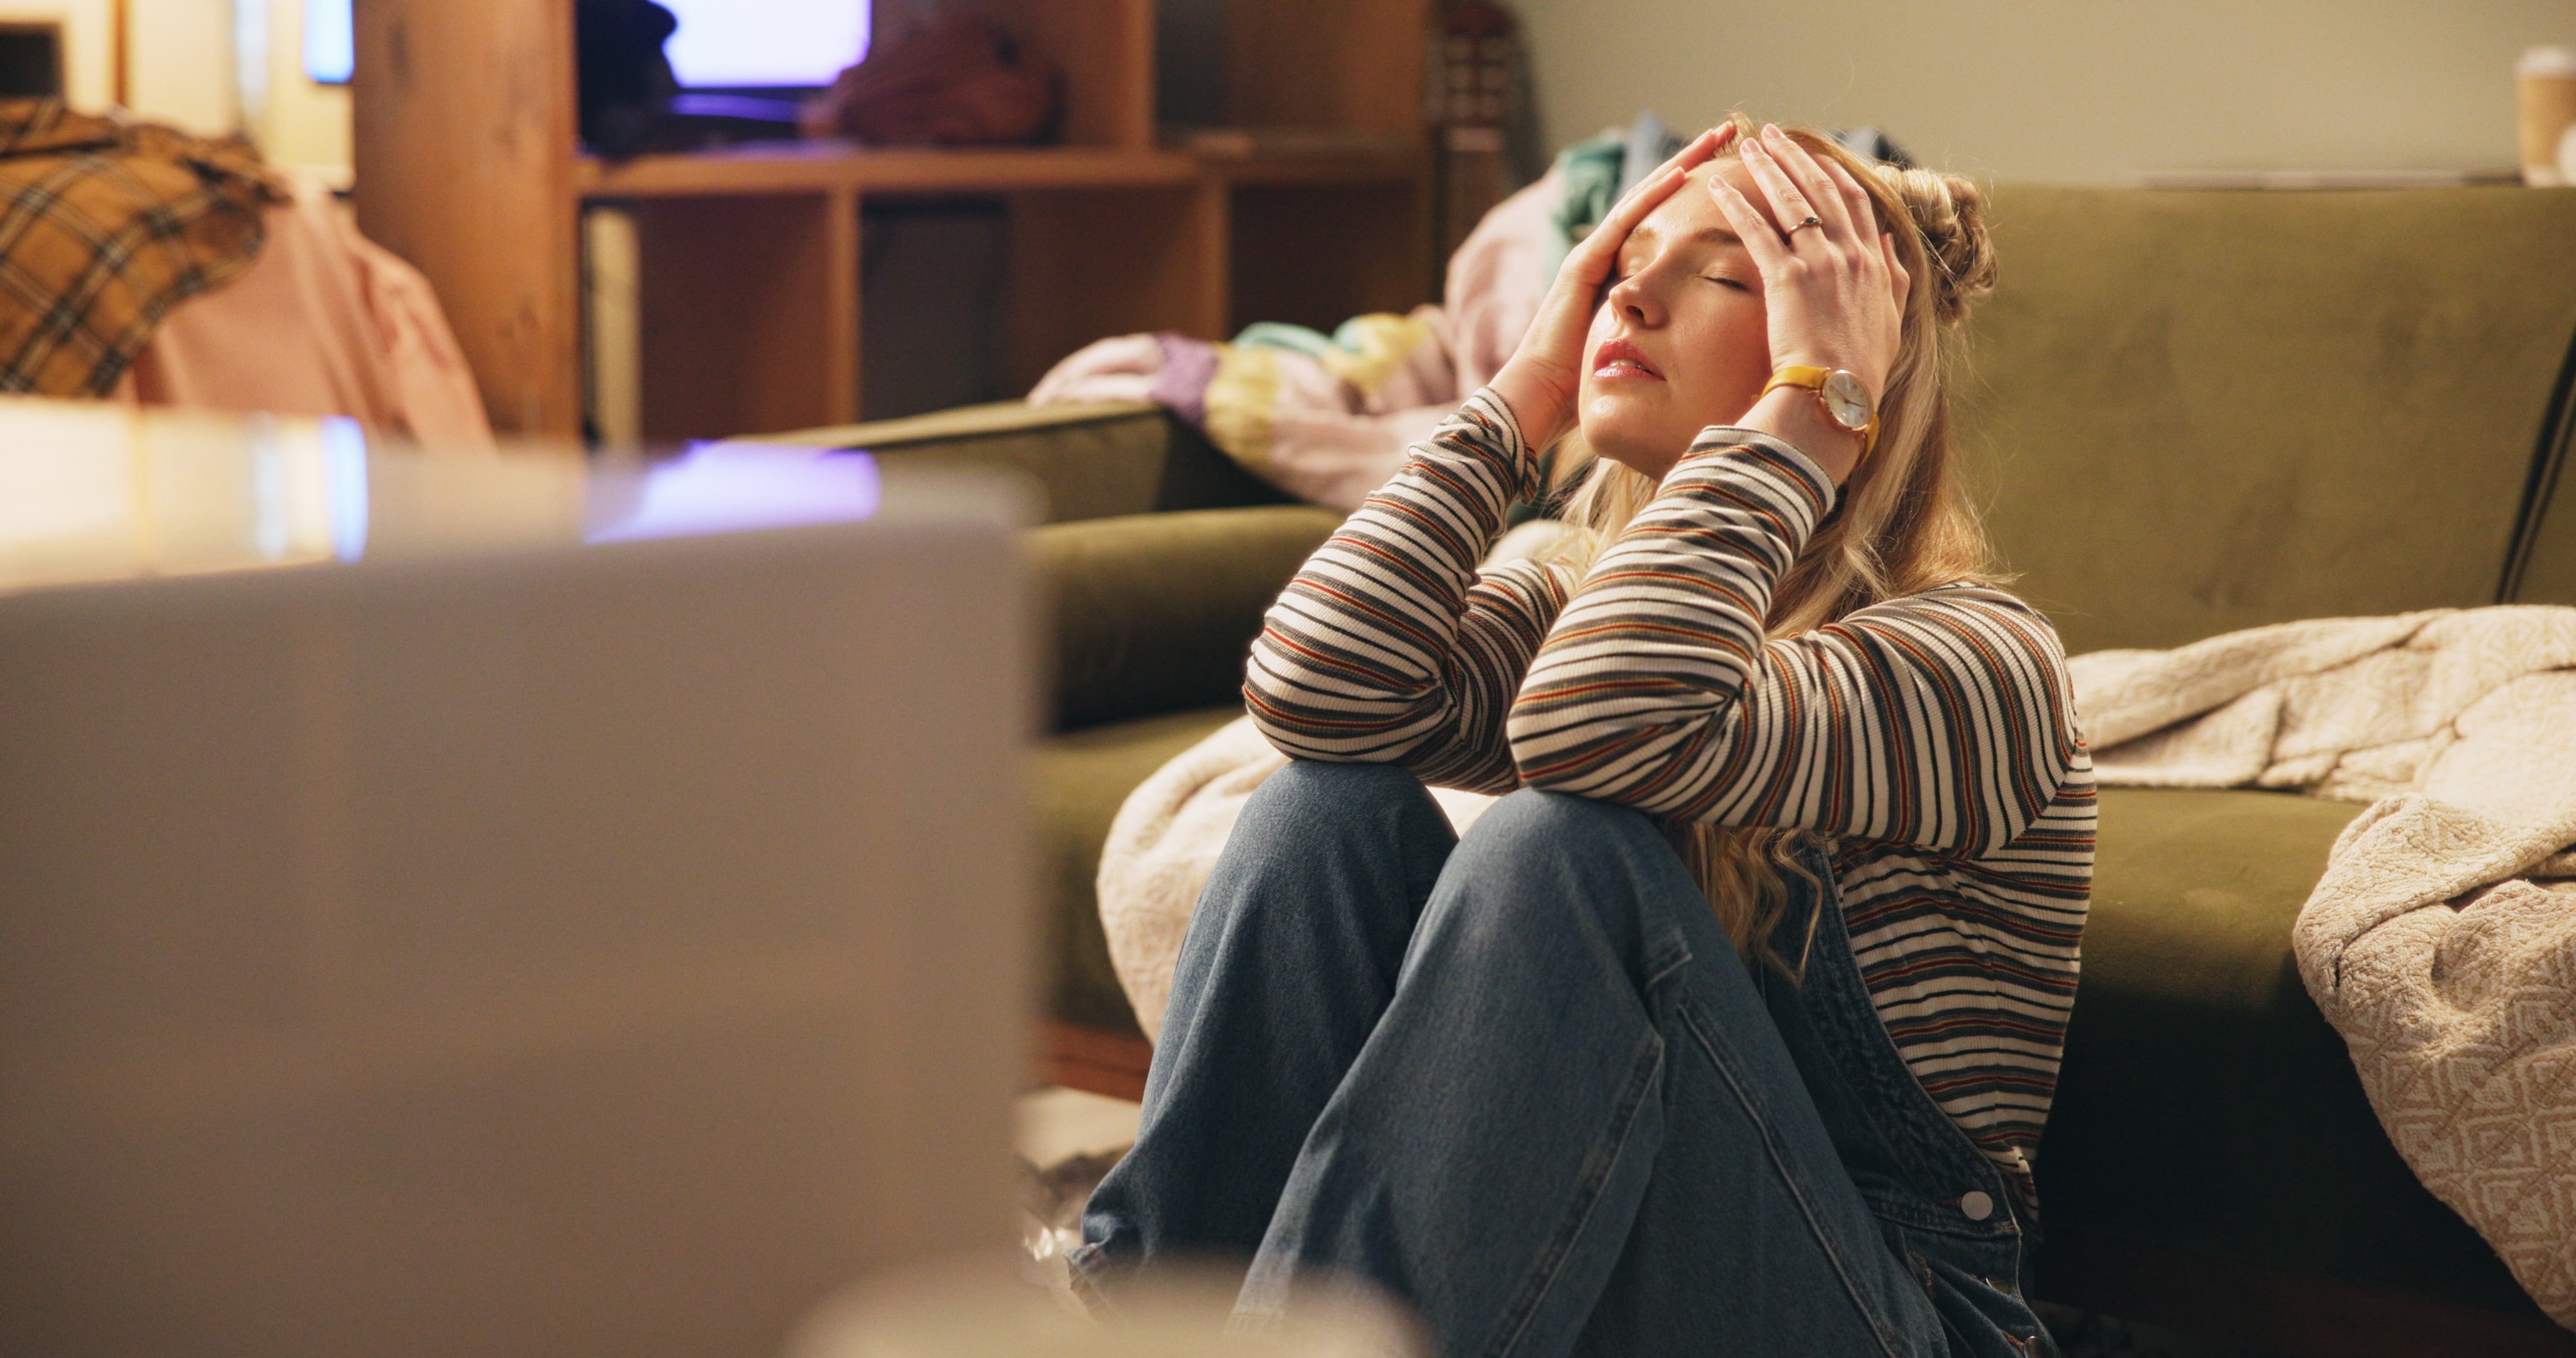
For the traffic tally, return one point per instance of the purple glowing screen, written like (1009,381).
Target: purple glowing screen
(732,488)
(734,43)
(722,44)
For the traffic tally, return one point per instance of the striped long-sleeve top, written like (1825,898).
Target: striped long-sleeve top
(1931,739)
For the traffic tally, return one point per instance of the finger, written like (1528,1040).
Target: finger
(1694,152)
(1813,184)
(1864,213)
(1761,239)
(1590,259)
(1651,191)
(1612,230)
(1899,283)
(1788,205)
(1598,249)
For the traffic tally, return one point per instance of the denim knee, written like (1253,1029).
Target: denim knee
(1549,867)
(1532,829)
(1314,787)
(1312,809)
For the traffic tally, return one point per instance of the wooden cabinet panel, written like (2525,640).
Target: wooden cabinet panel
(1086,264)
(749,314)
(1318,254)
(1344,65)
(1106,50)
(464,150)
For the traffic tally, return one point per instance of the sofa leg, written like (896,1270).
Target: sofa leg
(1094,1060)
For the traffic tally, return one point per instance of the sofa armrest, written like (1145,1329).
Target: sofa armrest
(1155,613)
(1094,460)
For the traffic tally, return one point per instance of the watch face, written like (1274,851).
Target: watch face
(1846,400)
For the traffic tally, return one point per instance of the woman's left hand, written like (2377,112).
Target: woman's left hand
(1830,280)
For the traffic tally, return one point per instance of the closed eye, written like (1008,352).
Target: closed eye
(1736,283)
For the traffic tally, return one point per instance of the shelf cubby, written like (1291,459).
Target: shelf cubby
(1313,206)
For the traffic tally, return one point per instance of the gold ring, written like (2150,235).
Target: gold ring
(1811,221)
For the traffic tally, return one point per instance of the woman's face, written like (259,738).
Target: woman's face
(1681,340)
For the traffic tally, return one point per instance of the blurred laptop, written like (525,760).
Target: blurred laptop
(496,906)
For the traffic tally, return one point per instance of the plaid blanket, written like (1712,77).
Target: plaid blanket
(104,227)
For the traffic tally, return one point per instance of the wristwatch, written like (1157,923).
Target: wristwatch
(1847,403)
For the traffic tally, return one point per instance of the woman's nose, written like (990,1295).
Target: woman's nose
(1635,302)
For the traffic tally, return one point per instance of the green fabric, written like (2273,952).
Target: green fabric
(1082,779)
(1296,339)
(2205,1103)
(1093,461)
(2205,411)
(1591,170)
(1156,612)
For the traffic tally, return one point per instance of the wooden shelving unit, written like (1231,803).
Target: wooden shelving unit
(749,283)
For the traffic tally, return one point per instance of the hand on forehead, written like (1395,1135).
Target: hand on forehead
(1692,211)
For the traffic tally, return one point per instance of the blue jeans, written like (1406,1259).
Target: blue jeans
(1524,1082)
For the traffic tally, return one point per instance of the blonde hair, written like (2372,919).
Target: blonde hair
(1904,522)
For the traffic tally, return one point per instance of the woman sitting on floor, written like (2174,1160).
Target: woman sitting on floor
(1733,1029)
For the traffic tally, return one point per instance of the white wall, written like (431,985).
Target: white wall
(2071,90)
(180,65)
(295,121)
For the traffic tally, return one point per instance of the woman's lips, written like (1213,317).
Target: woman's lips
(1617,359)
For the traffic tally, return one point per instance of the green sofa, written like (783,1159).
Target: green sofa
(2193,412)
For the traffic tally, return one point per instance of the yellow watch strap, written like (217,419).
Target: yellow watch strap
(1805,375)
(1812,378)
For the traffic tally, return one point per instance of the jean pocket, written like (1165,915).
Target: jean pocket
(1976,1286)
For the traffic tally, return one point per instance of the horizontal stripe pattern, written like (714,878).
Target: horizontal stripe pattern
(1932,739)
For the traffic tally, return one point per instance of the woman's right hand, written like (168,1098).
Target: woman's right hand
(1544,376)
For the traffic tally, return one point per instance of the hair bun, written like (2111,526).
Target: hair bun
(1950,212)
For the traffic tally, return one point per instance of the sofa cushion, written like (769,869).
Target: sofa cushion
(1082,779)
(2206,411)
(2205,1104)
(1093,460)
(1156,612)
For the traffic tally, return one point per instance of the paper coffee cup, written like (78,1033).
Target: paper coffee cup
(2545,93)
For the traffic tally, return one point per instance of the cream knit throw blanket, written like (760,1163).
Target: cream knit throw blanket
(2431,944)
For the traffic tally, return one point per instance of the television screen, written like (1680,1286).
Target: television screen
(722,44)
(330,48)
(739,44)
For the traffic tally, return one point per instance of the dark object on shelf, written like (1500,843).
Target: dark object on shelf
(694,120)
(953,81)
(31,60)
(1874,143)
(626,82)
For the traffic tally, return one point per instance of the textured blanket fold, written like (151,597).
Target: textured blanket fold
(2440,942)
(2435,943)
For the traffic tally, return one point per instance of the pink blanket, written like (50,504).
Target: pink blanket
(326,323)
